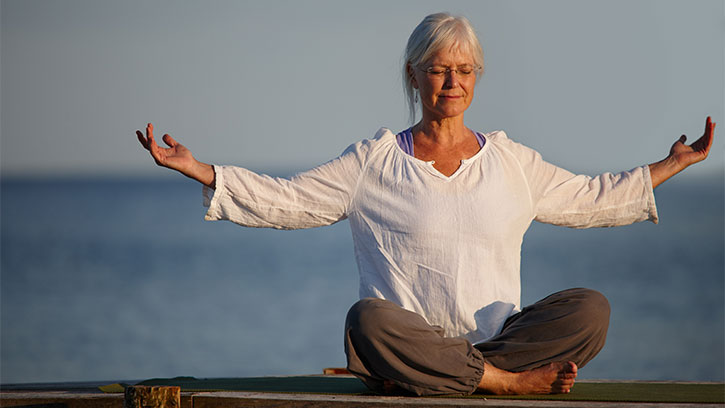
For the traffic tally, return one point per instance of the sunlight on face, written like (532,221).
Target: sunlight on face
(445,84)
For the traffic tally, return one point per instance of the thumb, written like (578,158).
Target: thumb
(682,139)
(169,140)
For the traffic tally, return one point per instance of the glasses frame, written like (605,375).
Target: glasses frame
(449,70)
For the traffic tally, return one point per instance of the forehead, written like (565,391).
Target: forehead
(450,56)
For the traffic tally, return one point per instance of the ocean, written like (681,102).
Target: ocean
(122,279)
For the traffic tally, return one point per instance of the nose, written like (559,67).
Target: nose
(451,79)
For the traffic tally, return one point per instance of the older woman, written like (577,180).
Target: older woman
(438,213)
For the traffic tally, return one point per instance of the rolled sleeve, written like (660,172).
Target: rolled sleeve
(209,193)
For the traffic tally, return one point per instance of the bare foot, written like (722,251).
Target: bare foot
(553,378)
(389,387)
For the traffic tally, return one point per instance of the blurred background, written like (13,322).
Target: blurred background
(109,272)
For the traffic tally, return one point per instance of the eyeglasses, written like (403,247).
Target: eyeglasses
(440,71)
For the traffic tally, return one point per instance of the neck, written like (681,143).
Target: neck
(444,131)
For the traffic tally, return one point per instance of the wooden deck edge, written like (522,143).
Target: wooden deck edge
(254,399)
(58,399)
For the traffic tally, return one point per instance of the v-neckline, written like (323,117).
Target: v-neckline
(428,165)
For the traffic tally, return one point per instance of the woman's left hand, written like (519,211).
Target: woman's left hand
(681,155)
(685,155)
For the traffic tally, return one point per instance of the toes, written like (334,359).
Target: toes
(390,388)
(566,375)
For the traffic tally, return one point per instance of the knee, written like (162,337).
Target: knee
(367,317)
(593,308)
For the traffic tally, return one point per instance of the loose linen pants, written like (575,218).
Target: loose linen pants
(386,342)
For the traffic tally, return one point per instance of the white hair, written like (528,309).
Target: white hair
(437,32)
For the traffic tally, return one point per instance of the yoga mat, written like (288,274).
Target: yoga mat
(584,391)
(636,392)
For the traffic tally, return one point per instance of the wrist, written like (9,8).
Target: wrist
(203,173)
(663,170)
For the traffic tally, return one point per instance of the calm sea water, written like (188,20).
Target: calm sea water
(122,279)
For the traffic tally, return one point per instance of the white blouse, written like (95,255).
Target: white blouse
(447,248)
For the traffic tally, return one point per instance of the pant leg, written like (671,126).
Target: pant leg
(570,325)
(386,342)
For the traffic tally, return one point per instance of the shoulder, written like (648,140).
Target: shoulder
(362,151)
(384,134)
(500,139)
(511,150)
(496,136)
(382,138)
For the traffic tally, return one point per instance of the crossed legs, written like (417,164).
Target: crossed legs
(538,351)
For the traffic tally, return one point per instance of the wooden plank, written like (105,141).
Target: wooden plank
(77,395)
(60,399)
(253,399)
(57,399)
(70,399)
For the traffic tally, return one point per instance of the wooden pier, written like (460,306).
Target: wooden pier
(86,395)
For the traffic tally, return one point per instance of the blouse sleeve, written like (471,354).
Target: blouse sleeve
(562,198)
(320,196)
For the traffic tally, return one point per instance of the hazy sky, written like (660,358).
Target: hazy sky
(271,85)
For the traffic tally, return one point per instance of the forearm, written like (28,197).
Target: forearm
(203,173)
(663,170)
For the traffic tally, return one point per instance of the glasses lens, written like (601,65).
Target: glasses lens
(436,70)
(465,69)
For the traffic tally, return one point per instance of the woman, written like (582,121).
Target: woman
(438,213)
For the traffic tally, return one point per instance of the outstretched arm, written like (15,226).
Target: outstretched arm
(681,155)
(176,157)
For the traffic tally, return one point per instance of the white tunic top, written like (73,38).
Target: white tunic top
(447,248)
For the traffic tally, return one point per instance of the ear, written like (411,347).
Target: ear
(411,74)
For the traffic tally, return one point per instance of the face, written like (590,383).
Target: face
(447,95)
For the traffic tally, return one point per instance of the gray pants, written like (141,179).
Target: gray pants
(386,342)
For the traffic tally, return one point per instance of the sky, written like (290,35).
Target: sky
(281,86)
(285,85)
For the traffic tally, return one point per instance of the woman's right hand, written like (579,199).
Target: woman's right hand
(176,157)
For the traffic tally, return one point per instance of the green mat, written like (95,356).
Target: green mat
(583,391)
(637,392)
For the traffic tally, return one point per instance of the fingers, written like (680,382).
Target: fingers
(149,143)
(704,143)
(709,131)
(142,139)
(709,138)
(709,127)
(148,139)
(150,133)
